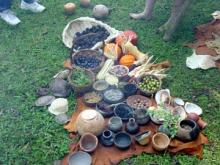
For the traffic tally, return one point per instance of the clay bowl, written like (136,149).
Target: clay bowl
(88,142)
(100,85)
(138,102)
(143,138)
(115,124)
(129,89)
(113,96)
(122,140)
(123,111)
(80,158)
(105,109)
(160,141)
(92,98)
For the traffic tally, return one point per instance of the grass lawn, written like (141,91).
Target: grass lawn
(32,53)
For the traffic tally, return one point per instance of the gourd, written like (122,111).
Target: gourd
(129,48)
(127,60)
(106,67)
(112,51)
(69,8)
(85,3)
(127,35)
(100,11)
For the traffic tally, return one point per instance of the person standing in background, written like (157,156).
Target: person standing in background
(8,16)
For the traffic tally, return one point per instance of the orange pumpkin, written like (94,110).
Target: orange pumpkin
(112,51)
(127,60)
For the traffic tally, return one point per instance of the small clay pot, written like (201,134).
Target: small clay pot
(88,142)
(160,141)
(107,138)
(132,127)
(141,116)
(188,130)
(115,124)
(143,138)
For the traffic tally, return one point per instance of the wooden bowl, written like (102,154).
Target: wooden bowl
(160,141)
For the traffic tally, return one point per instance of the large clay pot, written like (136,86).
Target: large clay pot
(188,130)
(90,121)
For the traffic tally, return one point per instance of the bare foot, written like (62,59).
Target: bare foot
(140,16)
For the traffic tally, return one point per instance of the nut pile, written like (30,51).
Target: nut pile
(149,83)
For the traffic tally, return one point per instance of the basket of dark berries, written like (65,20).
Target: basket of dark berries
(87,33)
(81,80)
(149,84)
(88,59)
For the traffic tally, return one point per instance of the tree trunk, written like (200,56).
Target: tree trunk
(147,13)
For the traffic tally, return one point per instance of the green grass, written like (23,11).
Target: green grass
(32,53)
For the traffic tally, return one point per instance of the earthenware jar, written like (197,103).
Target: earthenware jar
(90,121)
(107,138)
(160,141)
(115,124)
(132,127)
(143,138)
(188,130)
(141,116)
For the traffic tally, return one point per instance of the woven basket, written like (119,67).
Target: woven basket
(79,25)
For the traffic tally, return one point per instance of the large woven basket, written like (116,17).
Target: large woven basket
(79,25)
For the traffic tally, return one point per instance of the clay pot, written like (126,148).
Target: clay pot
(188,130)
(107,138)
(129,89)
(193,116)
(164,130)
(123,111)
(105,109)
(160,141)
(143,138)
(141,116)
(90,121)
(132,127)
(79,158)
(88,142)
(115,124)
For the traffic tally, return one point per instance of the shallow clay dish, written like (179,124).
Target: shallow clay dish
(160,141)
(80,158)
(88,142)
(138,102)
(92,98)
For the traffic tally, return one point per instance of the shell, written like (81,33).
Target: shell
(180,111)
(62,74)
(193,108)
(100,11)
(178,102)
(58,106)
(44,101)
(162,96)
(79,25)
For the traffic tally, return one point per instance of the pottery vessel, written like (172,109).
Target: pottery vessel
(138,102)
(123,111)
(90,121)
(107,138)
(160,141)
(88,142)
(113,96)
(164,130)
(129,89)
(193,108)
(163,96)
(141,116)
(105,109)
(122,140)
(115,124)
(143,138)
(132,127)
(100,85)
(80,158)
(188,130)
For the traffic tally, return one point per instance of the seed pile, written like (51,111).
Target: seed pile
(86,61)
(89,37)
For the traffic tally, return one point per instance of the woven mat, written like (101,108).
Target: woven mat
(112,155)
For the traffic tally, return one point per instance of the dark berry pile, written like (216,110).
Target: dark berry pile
(87,61)
(89,37)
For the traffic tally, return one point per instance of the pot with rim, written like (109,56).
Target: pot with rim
(115,124)
(141,116)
